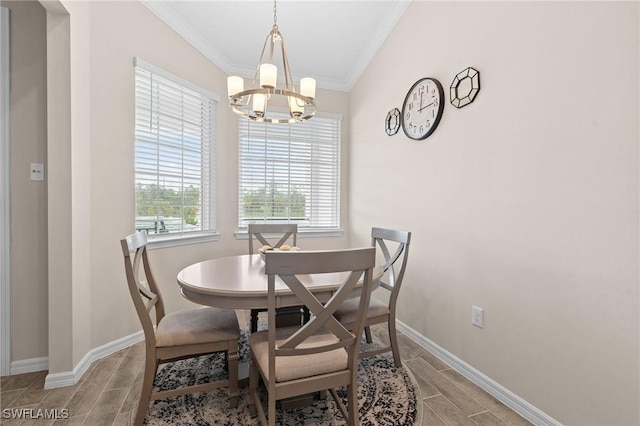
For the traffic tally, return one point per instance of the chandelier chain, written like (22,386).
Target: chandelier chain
(275,14)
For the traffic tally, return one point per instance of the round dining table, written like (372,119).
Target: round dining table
(240,282)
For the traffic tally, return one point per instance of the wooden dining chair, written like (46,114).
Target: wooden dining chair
(394,266)
(275,235)
(178,335)
(321,354)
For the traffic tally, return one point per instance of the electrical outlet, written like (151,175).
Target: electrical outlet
(477,316)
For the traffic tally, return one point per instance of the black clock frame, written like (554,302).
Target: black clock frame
(438,115)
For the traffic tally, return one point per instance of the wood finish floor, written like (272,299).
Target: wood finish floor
(106,392)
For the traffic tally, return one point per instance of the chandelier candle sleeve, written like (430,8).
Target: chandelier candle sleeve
(308,87)
(296,106)
(268,76)
(235,85)
(259,101)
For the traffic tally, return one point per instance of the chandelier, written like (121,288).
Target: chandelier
(252,103)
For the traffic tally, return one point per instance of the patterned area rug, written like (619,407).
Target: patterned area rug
(386,396)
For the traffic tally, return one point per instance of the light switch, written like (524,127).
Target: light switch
(37,171)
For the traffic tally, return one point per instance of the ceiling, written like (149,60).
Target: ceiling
(332,41)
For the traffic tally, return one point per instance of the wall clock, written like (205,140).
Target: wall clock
(422,108)
(392,122)
(465,87)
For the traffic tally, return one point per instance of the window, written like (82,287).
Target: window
(290,173)
(174,154)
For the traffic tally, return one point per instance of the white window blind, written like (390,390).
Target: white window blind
(290,173)
(174,154)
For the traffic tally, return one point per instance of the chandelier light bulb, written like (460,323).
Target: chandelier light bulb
(308,87)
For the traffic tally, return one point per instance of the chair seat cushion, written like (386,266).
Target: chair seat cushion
(348,311)
(199,325)
(298,366)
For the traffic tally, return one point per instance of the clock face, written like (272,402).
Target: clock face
(422,108)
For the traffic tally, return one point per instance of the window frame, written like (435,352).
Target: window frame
(184,237)
(336,231)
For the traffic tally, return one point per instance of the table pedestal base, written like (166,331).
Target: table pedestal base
(285,317)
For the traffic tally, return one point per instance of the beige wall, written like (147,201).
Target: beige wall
(524,203)
(94,172)
(29,314)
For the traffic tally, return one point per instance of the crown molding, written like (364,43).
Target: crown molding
(185,30)
(376,41)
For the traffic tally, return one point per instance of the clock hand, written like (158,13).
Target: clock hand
(426,106)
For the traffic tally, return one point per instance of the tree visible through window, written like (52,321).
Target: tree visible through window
(290,173)
(275,203)
(174,154)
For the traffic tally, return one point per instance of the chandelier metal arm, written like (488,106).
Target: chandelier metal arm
(241,108)
(272,36)
(288,80)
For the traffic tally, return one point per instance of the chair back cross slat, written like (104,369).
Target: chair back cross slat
(142,284)
(137,244)
(288,266)
(266,234)
(152,303)
(390,265)
(323,314)
(266,242)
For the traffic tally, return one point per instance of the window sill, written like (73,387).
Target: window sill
(156,241)
(243,235)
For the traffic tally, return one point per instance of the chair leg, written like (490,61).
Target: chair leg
(232,360)
(272,409)
(150,369)
(253,391)
(352,404)
(393,339)
(255,406)
(367,334)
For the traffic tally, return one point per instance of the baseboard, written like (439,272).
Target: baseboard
(502,394)
(57,380)
(29,365)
